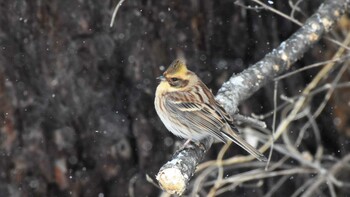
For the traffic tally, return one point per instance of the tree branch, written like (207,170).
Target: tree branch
(174,176)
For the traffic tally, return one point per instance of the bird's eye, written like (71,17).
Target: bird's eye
(174,79)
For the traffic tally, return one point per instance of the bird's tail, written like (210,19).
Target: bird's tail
(233,136)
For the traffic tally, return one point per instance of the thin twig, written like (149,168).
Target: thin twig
(322,178)
(278,12)
(273,122)
(261,174)
(276,186)
(295,8)
(220,169)
(303,187)
(294,20)
(338,60)
(115,12)
(331,90)
(325,87)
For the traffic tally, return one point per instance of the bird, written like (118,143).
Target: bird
(188,109)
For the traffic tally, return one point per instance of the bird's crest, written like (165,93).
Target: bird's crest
(177,67)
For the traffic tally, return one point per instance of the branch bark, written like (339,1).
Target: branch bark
(174,176)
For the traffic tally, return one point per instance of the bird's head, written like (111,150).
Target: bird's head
(177,76)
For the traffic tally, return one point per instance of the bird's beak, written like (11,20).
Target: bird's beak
(161,78)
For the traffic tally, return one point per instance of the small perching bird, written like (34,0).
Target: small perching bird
(188,109)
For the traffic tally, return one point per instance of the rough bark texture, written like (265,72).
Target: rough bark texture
(174,176)
(76,97)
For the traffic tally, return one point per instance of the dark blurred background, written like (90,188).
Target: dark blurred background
(76,96)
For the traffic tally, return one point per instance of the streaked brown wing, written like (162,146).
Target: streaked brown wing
(204,117)
(228,119)
(201,117)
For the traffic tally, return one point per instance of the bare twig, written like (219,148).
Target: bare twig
(278,12)
(249,121)
(280,182)
(322,178)
(295,8)
(115,12)
(220,168)
(338,60)
(323,88)
(273,122)
(331,90)
(260,174)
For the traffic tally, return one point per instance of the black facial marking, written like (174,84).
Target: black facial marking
(176,82)
(174,79)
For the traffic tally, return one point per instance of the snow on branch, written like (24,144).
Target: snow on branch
(174,176)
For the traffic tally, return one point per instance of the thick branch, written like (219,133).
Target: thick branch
(240,87)
(176,173)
